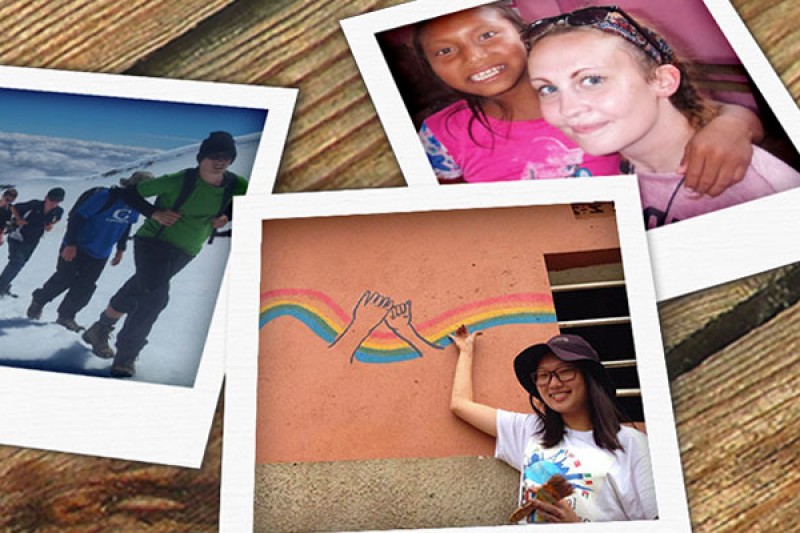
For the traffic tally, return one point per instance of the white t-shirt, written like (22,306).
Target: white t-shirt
(608,486)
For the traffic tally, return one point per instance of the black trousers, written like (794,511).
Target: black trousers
(79,276)
(146,293)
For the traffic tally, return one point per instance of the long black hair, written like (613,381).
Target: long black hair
(605,413)
(474,103)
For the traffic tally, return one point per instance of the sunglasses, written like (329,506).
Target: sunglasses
(611,19)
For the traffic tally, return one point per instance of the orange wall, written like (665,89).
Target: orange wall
(315,405)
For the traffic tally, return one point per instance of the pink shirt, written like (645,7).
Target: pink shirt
(665,200)
(513,150)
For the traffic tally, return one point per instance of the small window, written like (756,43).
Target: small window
(591,301)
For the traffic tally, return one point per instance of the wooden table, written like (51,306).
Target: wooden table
(732,350)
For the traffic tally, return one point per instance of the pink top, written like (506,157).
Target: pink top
(514,150)
(665,200)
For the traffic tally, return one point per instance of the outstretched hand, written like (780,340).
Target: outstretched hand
(463,339)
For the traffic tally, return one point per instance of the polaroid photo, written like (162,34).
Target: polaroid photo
(337,407)
(126,359)
(451,85)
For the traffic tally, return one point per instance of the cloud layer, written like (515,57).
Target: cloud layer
(25,157)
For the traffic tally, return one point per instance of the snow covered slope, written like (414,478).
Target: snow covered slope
(176,342)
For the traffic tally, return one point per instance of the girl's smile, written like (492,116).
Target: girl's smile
(477,51)
(568,398)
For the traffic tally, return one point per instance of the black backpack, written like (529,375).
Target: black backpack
(190,177)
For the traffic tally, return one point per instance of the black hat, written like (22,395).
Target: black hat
(56,194)
(216,142)
(568,348)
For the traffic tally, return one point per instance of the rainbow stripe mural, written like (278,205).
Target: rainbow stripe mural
(326,319)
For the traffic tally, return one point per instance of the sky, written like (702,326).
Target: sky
(120,121)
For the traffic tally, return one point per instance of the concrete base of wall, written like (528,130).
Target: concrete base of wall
(384,494)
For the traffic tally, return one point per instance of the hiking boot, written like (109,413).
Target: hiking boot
(97,336)
(124,365)
(35,310)
(6,293)
(70,324)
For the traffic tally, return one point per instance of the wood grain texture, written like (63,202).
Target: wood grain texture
(738,415)
(335,141)
(96,35)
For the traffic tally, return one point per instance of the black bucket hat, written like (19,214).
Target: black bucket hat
(569,348)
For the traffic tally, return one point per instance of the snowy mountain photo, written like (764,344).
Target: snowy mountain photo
(176,343)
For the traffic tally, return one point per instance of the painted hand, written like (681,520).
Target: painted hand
(370,310)
(399,316)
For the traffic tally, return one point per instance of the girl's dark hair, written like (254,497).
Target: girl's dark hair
(474,103)
(604,411)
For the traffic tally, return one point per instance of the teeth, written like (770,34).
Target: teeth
(486,74)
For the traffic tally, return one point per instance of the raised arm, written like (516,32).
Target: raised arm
(462,404)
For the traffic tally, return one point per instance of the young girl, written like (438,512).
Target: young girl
(614,86)
(495,130)
(575,431)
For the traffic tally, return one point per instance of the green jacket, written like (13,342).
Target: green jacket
(201,206)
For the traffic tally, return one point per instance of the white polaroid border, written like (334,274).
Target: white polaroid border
(238,461)
(688,256)
(116,418)
(745,239)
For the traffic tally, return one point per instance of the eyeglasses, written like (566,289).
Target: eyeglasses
(610,19)
(564,374)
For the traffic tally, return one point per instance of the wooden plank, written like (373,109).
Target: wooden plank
(738,418)
(781,290)
(335,140)
(94,35)
(58,492)
(686,316)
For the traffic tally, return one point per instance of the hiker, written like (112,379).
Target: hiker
(98,220)
(190,204)
(31,220)
(8,197)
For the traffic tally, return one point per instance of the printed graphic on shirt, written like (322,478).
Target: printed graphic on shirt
(556,161)
(584,468)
